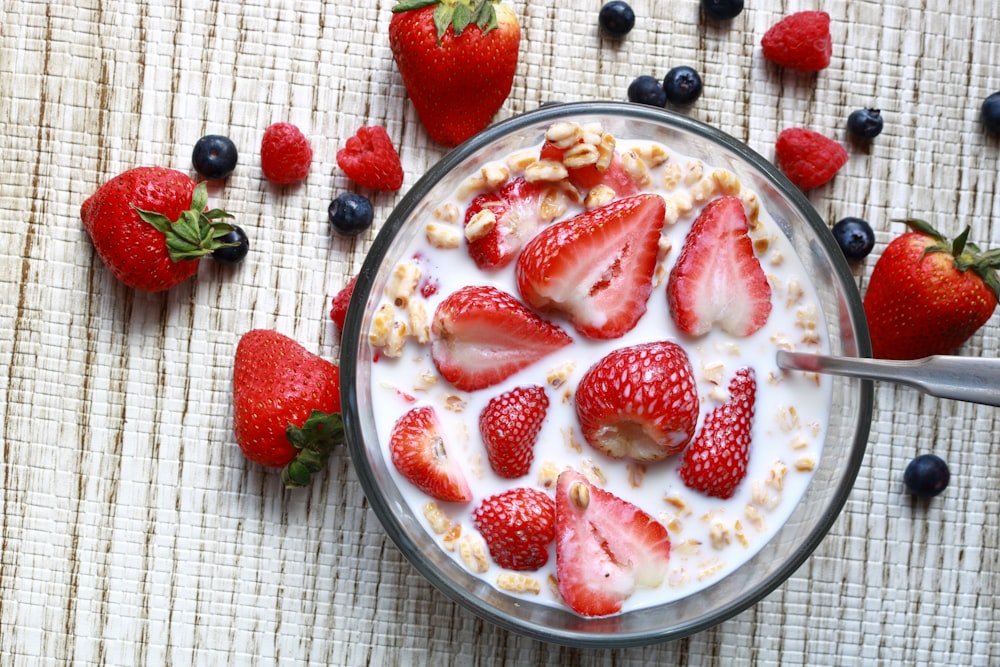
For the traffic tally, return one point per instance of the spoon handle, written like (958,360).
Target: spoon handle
(972,379)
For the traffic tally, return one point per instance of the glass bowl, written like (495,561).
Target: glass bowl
(849,416)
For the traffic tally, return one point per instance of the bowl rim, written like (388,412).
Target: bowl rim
(352,338)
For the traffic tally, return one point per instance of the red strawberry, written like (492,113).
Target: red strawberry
(515,211)
(597,267)
(482,336)
(800,41)
(286,404)
(418,451)
(150,227)
(370,160)
(588,177)
(717,279)
(927,295)
(808,158)
(518,526)
(285,154)
(338,309)
(639,402)
(605,547)
(509,425)
(716,461)
(457,60)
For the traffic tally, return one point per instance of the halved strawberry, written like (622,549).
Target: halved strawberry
(716,462)
(513,217)
(588,177)
(605,547)
(717,279)
(509,425)
(417,449)
(482,335)
(596,267)
(518,526)
(639,402)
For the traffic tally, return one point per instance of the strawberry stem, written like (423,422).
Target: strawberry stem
(196,232)
(456,14)
(315,440)
(967,256)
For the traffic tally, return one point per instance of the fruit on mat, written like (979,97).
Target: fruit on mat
(606,547)
(509,425)
(518,525)
(716,460)
(855,237)
(865,123)
(928,295)
(647,89)
(926,476)
(214,156)
(509,217)
(481,335)
(150,226)
(682,85)
(285,154)
(722,10)
(286,405)
(616,18)
(419,452)
(800,41)
(236,247)
(809,159)
(338,309)
(369,159)
(596,267)
(717,280)
(639,402)
(457,59)
(609,173)
(989,112)
(350,214)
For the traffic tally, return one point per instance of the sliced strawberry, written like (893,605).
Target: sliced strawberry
(716,462)
(509,425)
(605,547)
(597,267)
(588,177)
(717,278)
(482,335)
(513,216)
(418,451)
(639,402)
(518,526)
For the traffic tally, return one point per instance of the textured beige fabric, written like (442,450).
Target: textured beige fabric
(133,532)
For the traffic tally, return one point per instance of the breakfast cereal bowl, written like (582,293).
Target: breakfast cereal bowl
(700,557)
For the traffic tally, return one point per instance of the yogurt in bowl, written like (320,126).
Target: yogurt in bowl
(724,552)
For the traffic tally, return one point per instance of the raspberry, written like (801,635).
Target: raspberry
(807,158)
(338,311)
(285,154)
(800,41)
(370,160)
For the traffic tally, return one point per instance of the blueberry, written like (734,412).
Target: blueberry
(991,113)
(232,254)
(616,18)
(720,10)
(865,123)
(647,89)
(682,85)
(926,476)
(351,214)
(855,238)
(214,157)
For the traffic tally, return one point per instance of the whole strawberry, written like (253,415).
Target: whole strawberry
(150,227)
(927,295)
(457,59)
(286,404)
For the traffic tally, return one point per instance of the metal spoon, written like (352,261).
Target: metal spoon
(970,379)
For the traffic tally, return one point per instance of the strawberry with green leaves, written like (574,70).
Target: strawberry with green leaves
(928,295)
(457,59)
(286,404)
(150,226)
